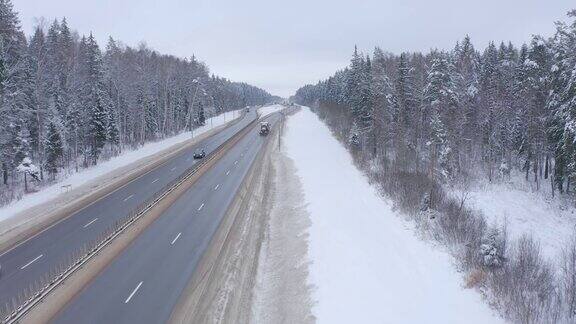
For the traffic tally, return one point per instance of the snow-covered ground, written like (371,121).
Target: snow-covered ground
(367,265)
(551,221)
(86,175)
(265,111)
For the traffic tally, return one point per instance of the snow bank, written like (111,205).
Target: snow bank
(551,222)
(265,111)
(367,264)
(122,160)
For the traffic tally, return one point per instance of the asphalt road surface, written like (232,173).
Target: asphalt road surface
(27,262)
(144,283)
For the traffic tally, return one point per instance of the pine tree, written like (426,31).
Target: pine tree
(381,91)
(95,102)
(404,112)
(562,102)
(201,118)
(441,164)
(54,149)
(37,57)
(3,70)
(15,99)
(440,94)
(353,84)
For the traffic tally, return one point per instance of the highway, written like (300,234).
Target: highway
(31,259)
(143,284)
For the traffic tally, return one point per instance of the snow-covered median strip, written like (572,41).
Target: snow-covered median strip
(367,265)
(102,168)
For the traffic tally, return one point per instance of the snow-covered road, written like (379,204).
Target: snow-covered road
(367,265)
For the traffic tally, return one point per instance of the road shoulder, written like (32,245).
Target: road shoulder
(253,269)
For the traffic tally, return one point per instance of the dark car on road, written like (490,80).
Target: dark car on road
(199,154)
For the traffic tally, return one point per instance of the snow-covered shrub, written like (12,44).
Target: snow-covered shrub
(26,166)
(525,285)
(425,203)
(492,249)
(568,289)
(504,170)
(475,278)
(354,139)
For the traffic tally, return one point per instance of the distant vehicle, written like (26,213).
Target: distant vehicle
(264,128)
(247,109)
(199,154)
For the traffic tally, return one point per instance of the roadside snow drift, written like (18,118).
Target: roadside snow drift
(367,265)
(265,111)
(86,175)
(550,221)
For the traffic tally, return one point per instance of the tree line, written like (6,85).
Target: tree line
(414,122)
(65,103)
(448,112)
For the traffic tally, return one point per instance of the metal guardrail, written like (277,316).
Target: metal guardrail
(31,296)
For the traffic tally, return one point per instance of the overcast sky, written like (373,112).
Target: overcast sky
(282,45)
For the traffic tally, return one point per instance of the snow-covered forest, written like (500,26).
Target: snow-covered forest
(419,123)
(446,112)
(66,104)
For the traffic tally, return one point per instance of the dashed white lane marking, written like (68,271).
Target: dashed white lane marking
(217,186)
(133,292)
(33,260)
(228,172)
(128,198)
(155,180)
(236,162)
(201,206)
(174,168)
(175,239)
(90,223)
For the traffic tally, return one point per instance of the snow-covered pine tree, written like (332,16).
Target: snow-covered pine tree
(3,69)
(201,117)
(133,95)
(381,90)
(405,117)
(446,119)
(37,57)
(54,149)
(95,102)
(562,103)
(15,98)
(352,80)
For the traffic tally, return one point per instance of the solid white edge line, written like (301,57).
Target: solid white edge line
(90,223)
(175,239)
(133,292)
(200,208)
(128,198)
(29,263)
